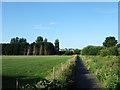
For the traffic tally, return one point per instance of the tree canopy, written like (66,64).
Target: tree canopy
(110,41)
(57,46)
(19,46)
(39,39)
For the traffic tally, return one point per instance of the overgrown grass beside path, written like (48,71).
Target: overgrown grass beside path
(106,69)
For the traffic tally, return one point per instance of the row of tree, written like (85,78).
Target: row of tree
(110,47)
(69,52)
(20,46)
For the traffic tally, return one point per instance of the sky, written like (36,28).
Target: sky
(76,25)
(60,0)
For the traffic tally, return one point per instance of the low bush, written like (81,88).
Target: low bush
(91,50)
(68,52)
(109,51)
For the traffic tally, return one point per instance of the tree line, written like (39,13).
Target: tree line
(110,47)
(20,46)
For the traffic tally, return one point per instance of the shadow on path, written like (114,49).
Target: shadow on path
(82,77)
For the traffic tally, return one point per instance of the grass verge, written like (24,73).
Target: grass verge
(106,69)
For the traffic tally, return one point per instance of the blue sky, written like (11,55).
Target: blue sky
(76,25)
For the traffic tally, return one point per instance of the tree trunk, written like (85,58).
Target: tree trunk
(28,51)
(41,50)
(34,49)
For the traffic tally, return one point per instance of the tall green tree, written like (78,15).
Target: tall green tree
(7,49)
(41,50)
(39,39)
(45,46)
(49,49)
(57,46)
(12,40)
(23,46)
(33,48)
(110,41)
(18,46)
(45,40)
(15,46)
(39,46)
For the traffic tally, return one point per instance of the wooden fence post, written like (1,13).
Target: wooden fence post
(17,84)
(69,62)
(53,73)
(66,66)
(62,67)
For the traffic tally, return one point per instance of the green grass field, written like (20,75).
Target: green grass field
(29,67)
(106,69)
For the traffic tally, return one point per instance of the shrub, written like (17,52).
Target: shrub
(68,52)
(104,52)
(61,52)
(113,51)
(77,51)
(91,50)
(119,51)
(109,51)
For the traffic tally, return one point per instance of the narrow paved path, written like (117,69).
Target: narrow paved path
(83,79)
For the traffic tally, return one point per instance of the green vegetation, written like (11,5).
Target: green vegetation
(110,47)
(32,69)
(106,51)
(102,61)
(91,50)
(61,79)
(30,65)
(20,46)
(110,41)
(106,69)
(56,46)
(67,52)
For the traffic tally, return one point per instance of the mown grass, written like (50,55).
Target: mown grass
(33,68)
(106,69)
(30,65)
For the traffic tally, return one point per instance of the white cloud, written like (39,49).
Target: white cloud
(41,27)
(52,23)
(44,26)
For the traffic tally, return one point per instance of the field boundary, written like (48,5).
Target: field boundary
(59,76)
